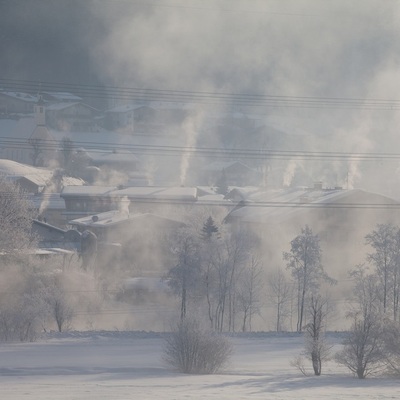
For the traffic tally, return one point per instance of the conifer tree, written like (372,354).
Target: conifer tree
(209,229)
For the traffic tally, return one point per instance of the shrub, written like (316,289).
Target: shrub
(363,350)
(193,350)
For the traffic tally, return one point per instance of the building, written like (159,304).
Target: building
(35,180)
(142,237)
(60,97)
(58,245)
(66,116)
(42,187)
(82,201)
(16,102)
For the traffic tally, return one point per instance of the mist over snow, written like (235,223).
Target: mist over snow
(252,118)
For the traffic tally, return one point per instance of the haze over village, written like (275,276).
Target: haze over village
(224,168)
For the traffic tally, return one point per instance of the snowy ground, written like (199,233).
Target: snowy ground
(124,365)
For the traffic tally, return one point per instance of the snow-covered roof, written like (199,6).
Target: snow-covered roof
(242,193)
(39,176)
(9,167)
(49,226)
(111,157)
(20,96)
(112,218)
(63,96)
(107,218)
(280,205)
(64,105)
(159,193)
(71,191)
(221,165)
(133,192)
(124,108)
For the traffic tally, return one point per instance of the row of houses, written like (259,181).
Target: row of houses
(139,218)
(66,111)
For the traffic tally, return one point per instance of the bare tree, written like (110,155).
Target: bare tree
(317,349)
(60,308)
(304,263)
(232,254)
(363,348)
(184,277)
(396,276)
(363,351)
(391,345)
(249,292)
(280,295)
(22,304)
(385,257)
(238,251)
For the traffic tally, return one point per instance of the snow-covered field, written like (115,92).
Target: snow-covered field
(128,365)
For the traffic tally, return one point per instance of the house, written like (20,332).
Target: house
(142,237)
(49,208)
(34,179)
(67,116)
(29,140)
(16,102)
(42,187)
(82,201)
(120,118)
(60,97)
(86,200)
(50,236)
(55,244)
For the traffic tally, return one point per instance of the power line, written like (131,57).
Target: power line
(181,96)
(116,195)
(173,151)
(197,202)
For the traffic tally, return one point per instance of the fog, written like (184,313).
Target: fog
(294,51)
(320,78)
(291,50)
